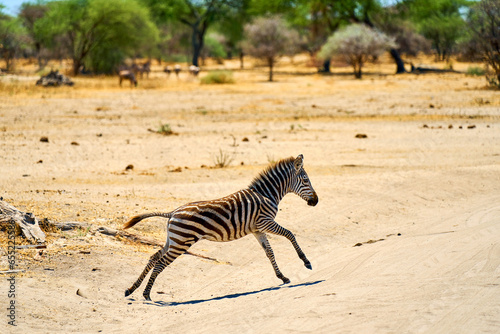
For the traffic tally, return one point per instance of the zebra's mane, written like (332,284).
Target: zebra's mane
(282,164)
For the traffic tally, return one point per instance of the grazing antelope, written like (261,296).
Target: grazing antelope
(248,211)
(145,68)
(194,70)
(177,69)
(168,70)
(127,75)
(140,69)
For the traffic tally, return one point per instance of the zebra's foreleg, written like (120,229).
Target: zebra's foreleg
(261,237)
(277,229)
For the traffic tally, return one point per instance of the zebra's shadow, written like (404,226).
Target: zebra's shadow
(233,295)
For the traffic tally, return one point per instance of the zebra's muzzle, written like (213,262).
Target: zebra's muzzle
(313,200)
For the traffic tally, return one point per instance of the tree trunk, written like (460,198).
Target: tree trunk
(326,66)
(242,55)
(400,65)
(197,42)
(357,70)
(77,63)
(271,63)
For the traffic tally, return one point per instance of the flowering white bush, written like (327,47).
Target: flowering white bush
(358,44)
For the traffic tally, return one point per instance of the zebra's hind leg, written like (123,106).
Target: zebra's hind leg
(152,262)
(173,252)
(261,237)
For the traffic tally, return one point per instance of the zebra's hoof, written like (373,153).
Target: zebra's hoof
(127,293)
(146,296)
(285,280)
(308,265)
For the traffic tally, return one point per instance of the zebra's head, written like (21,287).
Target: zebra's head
(301,185)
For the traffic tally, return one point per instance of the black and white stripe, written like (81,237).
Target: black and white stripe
(248,211)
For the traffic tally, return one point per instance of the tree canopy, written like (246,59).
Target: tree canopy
(95,30)
(357,44)
(100,34)
(268,38)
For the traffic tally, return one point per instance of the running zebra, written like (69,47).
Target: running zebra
(248,211)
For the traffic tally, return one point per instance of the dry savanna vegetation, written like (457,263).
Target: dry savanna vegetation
(405,237)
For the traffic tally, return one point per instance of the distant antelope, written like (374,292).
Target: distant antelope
(177,69)
(248,211)
(194,70)
(168,70)
(145,68)
(140,69)
(127,75)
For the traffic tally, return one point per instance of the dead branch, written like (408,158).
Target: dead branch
(129,236)
(27,222)
(144,240)
(423,70)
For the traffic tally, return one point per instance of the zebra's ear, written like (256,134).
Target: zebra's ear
(298,163)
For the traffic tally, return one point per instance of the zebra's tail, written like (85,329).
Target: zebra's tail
(136,219)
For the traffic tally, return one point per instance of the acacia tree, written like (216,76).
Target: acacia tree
(198,15)
(484,24)
(268,38)
(358,44)
(440,21)
(30,13)
(13,38)
(97,28)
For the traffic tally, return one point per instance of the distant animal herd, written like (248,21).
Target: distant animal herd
(131,73)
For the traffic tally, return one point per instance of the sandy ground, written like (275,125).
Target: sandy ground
(405,238)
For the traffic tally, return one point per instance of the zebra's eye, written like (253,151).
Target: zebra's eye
(304,178)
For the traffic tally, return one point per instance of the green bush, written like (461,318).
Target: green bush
(218,77)
(475,71)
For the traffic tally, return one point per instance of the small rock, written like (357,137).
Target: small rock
(44,139)
(80,293)
(74,143)
(361,135)
(450,126)
(245,139)
(425,126)
(471,127)
(129,167)
(176,170)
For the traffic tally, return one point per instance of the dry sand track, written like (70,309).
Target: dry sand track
(405,238)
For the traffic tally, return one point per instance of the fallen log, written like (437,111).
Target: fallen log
(130,236)
(66,226)
(14,271)
(423,70)
(25,221)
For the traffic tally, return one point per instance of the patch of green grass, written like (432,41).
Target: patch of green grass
(475,71)
(218,77)
(165,129)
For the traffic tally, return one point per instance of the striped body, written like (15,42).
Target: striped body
(225,219)
(248,211)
